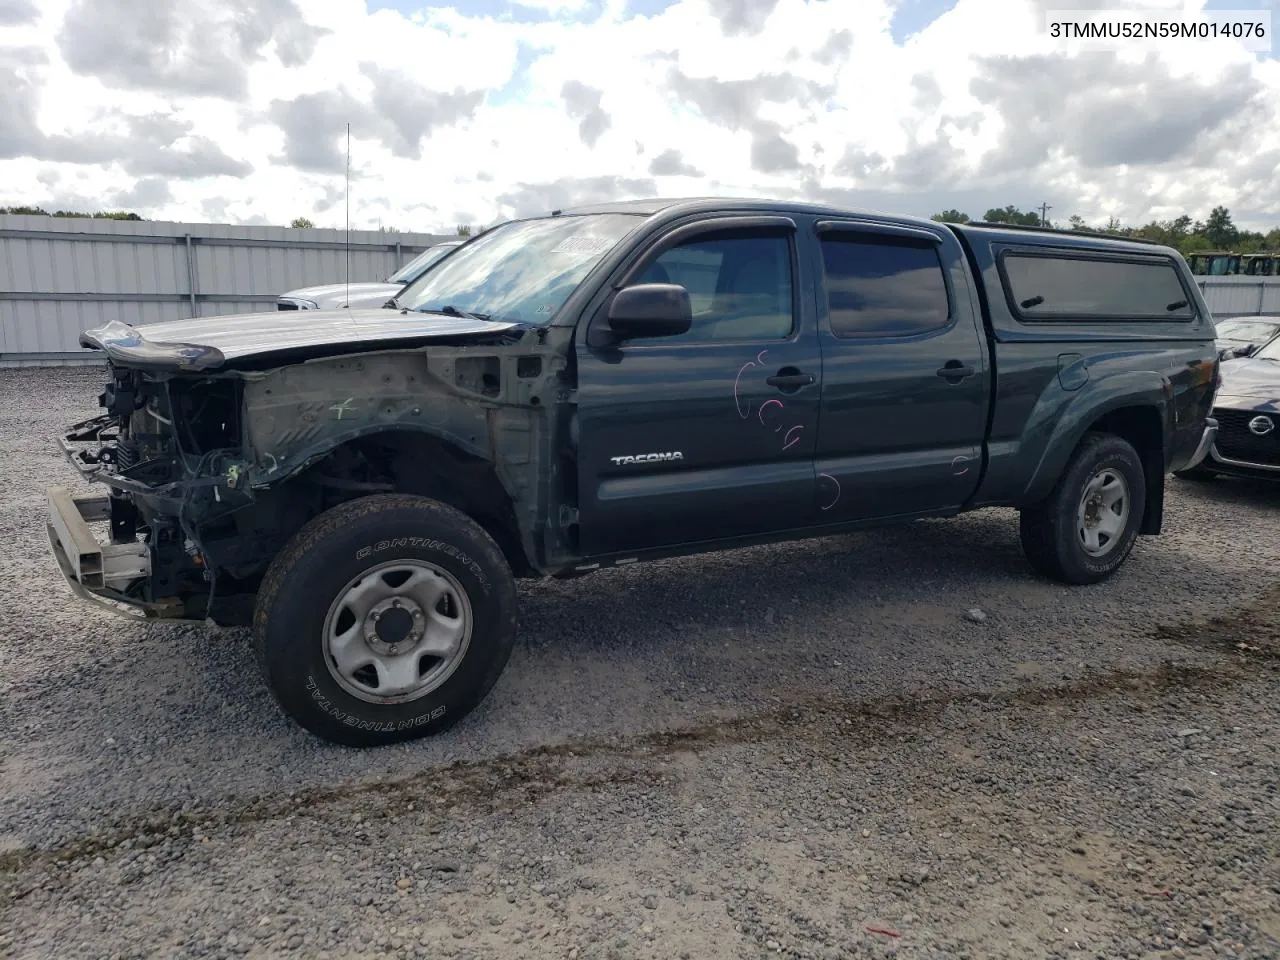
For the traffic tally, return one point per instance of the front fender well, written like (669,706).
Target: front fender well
(422,418)
(269,469)
(1092,405)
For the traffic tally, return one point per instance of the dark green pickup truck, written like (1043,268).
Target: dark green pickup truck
(609,385)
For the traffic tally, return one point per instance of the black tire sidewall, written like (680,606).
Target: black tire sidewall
(1107,452)
(291,644)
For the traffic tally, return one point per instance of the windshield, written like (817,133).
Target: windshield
(1269,351)
(412,270)
(1250,330)
(520,272)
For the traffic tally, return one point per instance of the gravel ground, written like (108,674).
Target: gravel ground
(774,750)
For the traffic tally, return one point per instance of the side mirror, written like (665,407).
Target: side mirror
(650,310)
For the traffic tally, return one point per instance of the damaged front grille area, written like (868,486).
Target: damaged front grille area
(166,447)
(156,431)
(205,414)
(126,454)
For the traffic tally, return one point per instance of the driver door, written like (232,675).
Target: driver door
(709,434)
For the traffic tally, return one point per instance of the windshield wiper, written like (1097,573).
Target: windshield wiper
(449,310)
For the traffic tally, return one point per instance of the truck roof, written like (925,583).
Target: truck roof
(979,230)
(676,205)
(982,230)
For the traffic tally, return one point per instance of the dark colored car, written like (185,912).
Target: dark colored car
(1247,409)
(615,384)
(1240,336)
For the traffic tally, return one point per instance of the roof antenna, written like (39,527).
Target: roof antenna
(347,243)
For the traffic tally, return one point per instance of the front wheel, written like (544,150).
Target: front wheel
(385,619)
(1083,531)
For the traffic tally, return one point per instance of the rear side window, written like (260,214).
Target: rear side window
(1081,288)
(883,287)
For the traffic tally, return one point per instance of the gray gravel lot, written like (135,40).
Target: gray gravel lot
(762,751)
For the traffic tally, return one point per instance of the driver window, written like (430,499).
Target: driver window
(739,287)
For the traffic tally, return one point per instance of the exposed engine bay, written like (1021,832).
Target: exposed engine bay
(214,471)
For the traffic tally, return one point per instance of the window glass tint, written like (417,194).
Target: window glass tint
(739,287)
(880,286)
(1047,287)
(695,267)
(521,271)
(412,270)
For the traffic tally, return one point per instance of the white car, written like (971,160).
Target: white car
(332,296)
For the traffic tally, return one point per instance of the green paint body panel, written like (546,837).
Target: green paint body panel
(609,452)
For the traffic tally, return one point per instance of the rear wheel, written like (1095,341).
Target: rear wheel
(1084,529)
(386,618)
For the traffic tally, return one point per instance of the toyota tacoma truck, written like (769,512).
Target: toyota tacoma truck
(613,384)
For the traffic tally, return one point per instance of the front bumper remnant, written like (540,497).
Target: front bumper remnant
(95,571)
(1206,443)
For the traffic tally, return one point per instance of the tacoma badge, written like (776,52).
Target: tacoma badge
(648,458)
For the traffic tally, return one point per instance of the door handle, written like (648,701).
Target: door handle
(790,379)
(954,371)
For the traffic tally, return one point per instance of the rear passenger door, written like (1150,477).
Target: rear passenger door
(905,374)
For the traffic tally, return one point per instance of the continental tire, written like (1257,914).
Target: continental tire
(1084,529)
(386,618)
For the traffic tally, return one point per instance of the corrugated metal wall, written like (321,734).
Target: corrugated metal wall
(1241,296)
(60,276)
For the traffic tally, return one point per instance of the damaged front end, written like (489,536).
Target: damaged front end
(166,449)
(210,469)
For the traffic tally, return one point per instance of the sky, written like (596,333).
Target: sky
(475,111)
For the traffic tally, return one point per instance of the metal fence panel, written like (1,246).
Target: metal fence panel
(61,276)
(1241,296)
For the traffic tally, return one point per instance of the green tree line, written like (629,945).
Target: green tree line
(1216,232)
(99,215)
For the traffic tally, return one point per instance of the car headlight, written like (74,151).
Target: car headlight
(296,303)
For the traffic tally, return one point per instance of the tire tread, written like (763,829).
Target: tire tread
(320,528)
(1040,531)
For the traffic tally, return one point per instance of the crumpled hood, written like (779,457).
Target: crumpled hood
(206,343)
(1249,383)
(332,295)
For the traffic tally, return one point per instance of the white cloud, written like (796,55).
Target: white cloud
(486,115)
(554,6)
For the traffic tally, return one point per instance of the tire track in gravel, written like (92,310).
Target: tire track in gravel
(1248,643)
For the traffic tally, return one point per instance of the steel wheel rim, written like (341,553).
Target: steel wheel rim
(1103,514)
(397,631)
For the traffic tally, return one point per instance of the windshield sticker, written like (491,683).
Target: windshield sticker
(545,308)
(583,244)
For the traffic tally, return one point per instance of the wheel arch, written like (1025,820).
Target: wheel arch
(422,462)
(1135,407)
